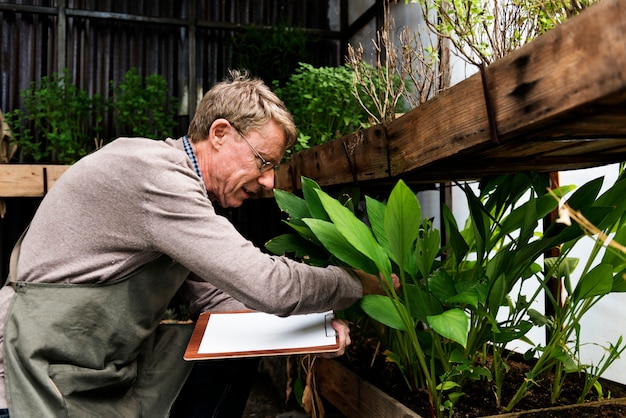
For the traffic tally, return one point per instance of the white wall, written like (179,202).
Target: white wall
(606,321)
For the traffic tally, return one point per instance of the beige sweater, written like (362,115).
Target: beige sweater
(136,199)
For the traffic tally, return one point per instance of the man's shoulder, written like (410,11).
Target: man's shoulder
(142,148)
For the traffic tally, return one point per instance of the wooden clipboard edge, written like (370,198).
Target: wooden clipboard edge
(191,352)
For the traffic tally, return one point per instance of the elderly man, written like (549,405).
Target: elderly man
(124,230)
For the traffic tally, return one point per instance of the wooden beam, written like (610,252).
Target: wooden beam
(28,180)
(567,85)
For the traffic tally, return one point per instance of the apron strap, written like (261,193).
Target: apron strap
(15,253)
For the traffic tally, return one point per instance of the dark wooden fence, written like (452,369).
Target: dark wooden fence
(188,42)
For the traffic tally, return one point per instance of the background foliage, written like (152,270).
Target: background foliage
(61,123)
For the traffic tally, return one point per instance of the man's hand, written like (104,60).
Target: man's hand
(372,285)
(343,331)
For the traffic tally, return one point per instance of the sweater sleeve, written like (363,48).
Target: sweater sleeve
(182,223)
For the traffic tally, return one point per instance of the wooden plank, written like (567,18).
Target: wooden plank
(354,397)
(360,156)
(568,84)
(578,67)
(27,180)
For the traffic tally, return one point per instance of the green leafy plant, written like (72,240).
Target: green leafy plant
(323,104)
(142,106)
(456,304)
(61,123)
(271,54)
(61,116)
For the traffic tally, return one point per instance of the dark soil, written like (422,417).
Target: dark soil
(480,401)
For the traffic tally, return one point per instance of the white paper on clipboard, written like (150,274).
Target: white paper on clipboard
(240,334)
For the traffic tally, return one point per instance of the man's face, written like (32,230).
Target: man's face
(235,173)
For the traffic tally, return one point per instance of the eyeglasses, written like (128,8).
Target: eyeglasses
(265,165)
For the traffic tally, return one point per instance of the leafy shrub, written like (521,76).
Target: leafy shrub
(60,114)
(60,123)
(270,54)
(141,107)
(323,104)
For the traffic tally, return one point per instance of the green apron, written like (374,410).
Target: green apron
(95,350)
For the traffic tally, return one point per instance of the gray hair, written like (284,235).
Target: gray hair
(245,102)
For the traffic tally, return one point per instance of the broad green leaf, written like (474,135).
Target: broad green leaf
(465,298)
(384,310)
(441,285)
(402,221)
(585,195)
(337,245)
(597,282)
(507,334)
(469,293)
(291,204)
(480,224)
(452,324)
(478,372)
(314,205)
(619,282)
(303,230)
(538,318)
(355,232)
(458,244)
(562,268)
(287,243)
(559,266)
(427,248)
(544,205)
(501,263)
(376,216)
(614,256)
(614,196)
(448,385)
(563,356)
(421,303)
(529,224)
(497,295)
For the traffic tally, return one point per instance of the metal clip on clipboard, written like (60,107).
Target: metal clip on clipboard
(328,326)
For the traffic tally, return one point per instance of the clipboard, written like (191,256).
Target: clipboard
(219,335)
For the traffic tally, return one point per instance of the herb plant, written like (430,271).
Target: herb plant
(323,104)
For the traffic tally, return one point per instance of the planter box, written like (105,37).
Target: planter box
(28,180)
(353,396)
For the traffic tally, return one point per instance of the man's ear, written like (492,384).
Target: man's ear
(218,131)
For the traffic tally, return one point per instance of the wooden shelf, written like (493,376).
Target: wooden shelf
(28,180)
(558,103)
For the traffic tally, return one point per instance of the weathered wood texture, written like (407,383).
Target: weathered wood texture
(28,180)
(354,397)
(557,103)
